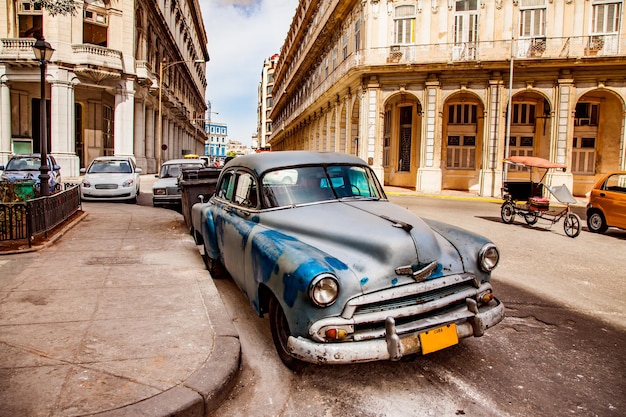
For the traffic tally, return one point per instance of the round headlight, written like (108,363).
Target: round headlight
(488,257)
(324,290)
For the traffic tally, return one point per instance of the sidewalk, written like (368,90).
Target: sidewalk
(117,318)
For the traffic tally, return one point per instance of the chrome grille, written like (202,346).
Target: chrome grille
(106,187)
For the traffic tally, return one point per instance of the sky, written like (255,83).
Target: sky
(241,35)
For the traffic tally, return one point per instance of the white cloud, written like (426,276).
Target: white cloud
(241,35)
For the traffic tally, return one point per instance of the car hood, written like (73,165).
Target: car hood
(21,175)
(108,178)
(373,238)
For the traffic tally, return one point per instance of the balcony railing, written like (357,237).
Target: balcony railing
(582,47)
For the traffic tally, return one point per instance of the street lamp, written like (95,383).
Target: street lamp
(43,52)
(162,67)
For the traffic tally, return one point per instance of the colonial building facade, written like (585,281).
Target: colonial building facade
(266,102)
(127,77)
(434,94)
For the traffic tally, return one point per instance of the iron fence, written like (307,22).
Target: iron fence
(28,219)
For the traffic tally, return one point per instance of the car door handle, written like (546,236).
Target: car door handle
(602,195)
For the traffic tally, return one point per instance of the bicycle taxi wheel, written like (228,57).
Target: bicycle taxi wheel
(507,212)
(531,217)
(571,225)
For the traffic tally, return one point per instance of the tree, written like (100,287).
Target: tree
(58,7)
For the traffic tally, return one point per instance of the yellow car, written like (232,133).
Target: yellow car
(607,203)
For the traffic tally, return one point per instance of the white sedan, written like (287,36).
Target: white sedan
(111,178)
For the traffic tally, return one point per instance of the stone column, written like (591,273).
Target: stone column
(150,141)
(5,119)
(124,118)
(429,176)
(493,149)
(140,133)
(63,122)
(561,143)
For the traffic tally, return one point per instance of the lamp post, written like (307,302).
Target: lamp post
(43,52)
(162,67)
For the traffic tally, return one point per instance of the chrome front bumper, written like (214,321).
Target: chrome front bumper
(394,346)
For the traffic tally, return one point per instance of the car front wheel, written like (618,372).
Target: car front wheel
(596,222)
(280,335)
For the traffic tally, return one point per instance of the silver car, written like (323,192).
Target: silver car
(165,190)
(111,178)
(344,274)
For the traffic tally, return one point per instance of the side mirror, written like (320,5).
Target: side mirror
(138,170)
(83,170)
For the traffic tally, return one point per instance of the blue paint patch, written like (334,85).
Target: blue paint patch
(336,263)
(364,280)
(438,272)
(394,281)
(296,282)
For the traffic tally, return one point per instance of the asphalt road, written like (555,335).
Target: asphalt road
(559,352)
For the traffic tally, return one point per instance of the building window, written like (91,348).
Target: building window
(532,19)
(344,46)
(465,22)
(462,114)
(404,25)
(95,23)
(461,152)
(584,156)
(521,146)
(523,114)
(30,20)
(586,114)
(405,138)
(606,17)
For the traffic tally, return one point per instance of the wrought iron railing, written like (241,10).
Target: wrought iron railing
(28,219)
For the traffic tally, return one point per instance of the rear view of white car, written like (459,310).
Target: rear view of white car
(111,178)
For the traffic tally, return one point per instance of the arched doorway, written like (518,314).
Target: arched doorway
(462,142)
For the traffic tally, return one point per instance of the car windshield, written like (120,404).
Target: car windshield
(310,184)
(24,164)
(173,170)
(109,166)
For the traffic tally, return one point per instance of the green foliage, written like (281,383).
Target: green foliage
(58,7)
(231,153)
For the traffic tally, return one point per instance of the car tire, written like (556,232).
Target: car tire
(280,335)
(596,223)
(214,266)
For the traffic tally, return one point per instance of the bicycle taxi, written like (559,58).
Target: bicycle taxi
(525,198)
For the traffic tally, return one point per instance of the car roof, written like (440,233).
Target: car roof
(184,161)
(264,161)
(112,158)
(26,155)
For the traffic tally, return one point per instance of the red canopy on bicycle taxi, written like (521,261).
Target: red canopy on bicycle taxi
(533,161)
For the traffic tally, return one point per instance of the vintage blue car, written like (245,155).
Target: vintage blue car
(344,274)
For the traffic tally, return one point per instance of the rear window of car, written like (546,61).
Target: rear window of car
(616,183)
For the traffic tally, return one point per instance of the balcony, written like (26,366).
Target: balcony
(17,48)
(99,56)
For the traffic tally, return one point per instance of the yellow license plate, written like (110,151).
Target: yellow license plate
(439,338)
